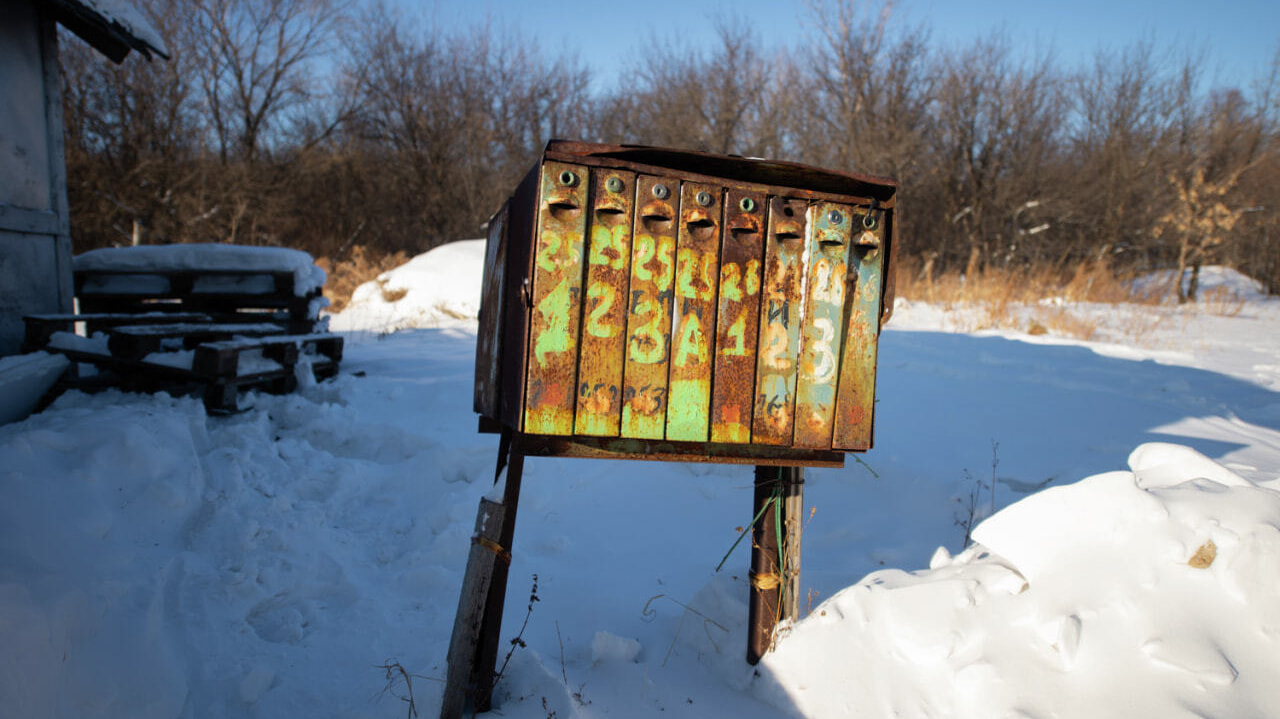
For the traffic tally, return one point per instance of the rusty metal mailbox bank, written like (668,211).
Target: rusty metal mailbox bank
(661,304)
(646,303)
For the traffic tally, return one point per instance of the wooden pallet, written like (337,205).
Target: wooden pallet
(137,341)
(226,295)
(228,367)
(218,371)
(211,330)
(222,359)
(39,328)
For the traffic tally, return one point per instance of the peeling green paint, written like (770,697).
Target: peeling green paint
(557,293)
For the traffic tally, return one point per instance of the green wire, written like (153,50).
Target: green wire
(776,501)
(778,519)
(740,536)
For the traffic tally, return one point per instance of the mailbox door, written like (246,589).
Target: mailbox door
(855,401)
(780,305)
(738,315)
(823,327)
(604,323)
(693,336)
(556,296)
(644,376)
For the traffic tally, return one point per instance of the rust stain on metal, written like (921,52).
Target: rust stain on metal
(666,451)
(823,329)
(693,305)
(644,396)
(489,325)
(556,298)
(780,306)
(513,335)
(604,322)
(855,399)
(693,335)
(738,316)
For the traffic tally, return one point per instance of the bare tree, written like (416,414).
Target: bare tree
(1121,118)
(1256,249)
(995,134)
(259,66)
(448,124)
(722,99)
(268,92)
(868,91)
(1224,139)
(131,137)
(861,102)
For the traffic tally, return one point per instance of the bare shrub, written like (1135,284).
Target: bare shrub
(361,265)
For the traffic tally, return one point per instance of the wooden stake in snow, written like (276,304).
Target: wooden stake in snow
(775,555)
(473,647)
(471,605)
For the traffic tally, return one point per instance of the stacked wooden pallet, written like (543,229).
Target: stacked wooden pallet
(213,320)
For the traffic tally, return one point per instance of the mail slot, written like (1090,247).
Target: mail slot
(653,303)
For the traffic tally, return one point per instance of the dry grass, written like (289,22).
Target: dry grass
(1038,300)
(361,265)
(395,294)
(1061,322)
(1221,301)
(1093,281)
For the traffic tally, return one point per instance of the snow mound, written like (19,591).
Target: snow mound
(439,288)
(23,381)
(154,558)
(606,647)
(96,500)
(1148,593)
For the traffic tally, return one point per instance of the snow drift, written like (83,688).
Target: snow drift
(440,288)
(1147,593)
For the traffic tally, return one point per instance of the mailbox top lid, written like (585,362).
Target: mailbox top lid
(732,167)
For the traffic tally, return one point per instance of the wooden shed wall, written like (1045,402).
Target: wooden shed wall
(35,243)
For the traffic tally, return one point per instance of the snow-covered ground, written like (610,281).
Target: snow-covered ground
(157,562)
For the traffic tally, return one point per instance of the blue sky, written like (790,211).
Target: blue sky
(1239,37)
